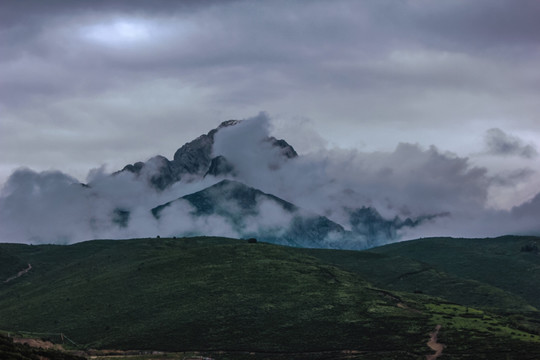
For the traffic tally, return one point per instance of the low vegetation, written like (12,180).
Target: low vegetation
(235,299)
(13,351)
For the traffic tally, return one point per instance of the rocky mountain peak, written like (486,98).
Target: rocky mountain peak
(195,160)
(229,123)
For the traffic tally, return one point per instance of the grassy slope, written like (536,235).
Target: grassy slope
(9,264)
(401,273)
(497,262)
(214,293)
(200,294)
(11,351)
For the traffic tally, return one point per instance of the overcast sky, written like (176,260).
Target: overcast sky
(87,83)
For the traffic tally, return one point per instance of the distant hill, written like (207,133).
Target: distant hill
(243,208)
(217,294)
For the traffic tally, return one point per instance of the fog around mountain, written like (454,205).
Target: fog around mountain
(327,198)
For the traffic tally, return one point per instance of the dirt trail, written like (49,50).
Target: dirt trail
(19,274)
(434,345)
(37,343)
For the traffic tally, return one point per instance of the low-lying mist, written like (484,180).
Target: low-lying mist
(407,193)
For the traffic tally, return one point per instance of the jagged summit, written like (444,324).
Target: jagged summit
(195,159)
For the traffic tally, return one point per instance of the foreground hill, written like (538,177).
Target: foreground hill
(12,351)
(510,263)
(497,273)
(217,294)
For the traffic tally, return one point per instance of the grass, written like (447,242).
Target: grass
(9,262)
(195,294)
(231,298)
(11,351)
(498,262)
(395,271)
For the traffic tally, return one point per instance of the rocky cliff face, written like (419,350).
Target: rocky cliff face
(195,160)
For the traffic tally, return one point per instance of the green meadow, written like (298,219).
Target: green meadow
(230,299)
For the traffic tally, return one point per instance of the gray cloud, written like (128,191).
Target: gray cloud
(512,178)
(410,181)
(291,45)
(500,143)
(529,209)
(89,83)
(445,190)
(483,24)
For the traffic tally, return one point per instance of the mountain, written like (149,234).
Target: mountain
(253,213)
(319,211)
(249,212)
(228,298)
(195,160)
(239,205)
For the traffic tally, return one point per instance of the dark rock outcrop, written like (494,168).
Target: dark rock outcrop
(220,166)
(195,160)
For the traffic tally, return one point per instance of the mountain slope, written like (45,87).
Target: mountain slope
(401,273)
(509,262)
(223,294)
(9,264)
(12,351)
(253,213)
(200,294)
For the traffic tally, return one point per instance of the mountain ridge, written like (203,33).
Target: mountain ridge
(195,159)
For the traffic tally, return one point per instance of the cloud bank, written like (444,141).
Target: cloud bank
(500,143)
(419,191)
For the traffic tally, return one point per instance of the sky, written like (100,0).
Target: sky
(106,83)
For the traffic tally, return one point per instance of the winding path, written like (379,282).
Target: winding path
(19,274)
(434,345)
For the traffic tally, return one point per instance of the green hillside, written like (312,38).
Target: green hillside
(510,263)
(11,351)
(401,273)
(9,264)
(217,294)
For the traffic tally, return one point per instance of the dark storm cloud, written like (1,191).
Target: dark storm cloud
(480,25)
(241,46)
(84,83)
(526,216)
(500,143)
(530,208)
(512,178)
(17,11)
